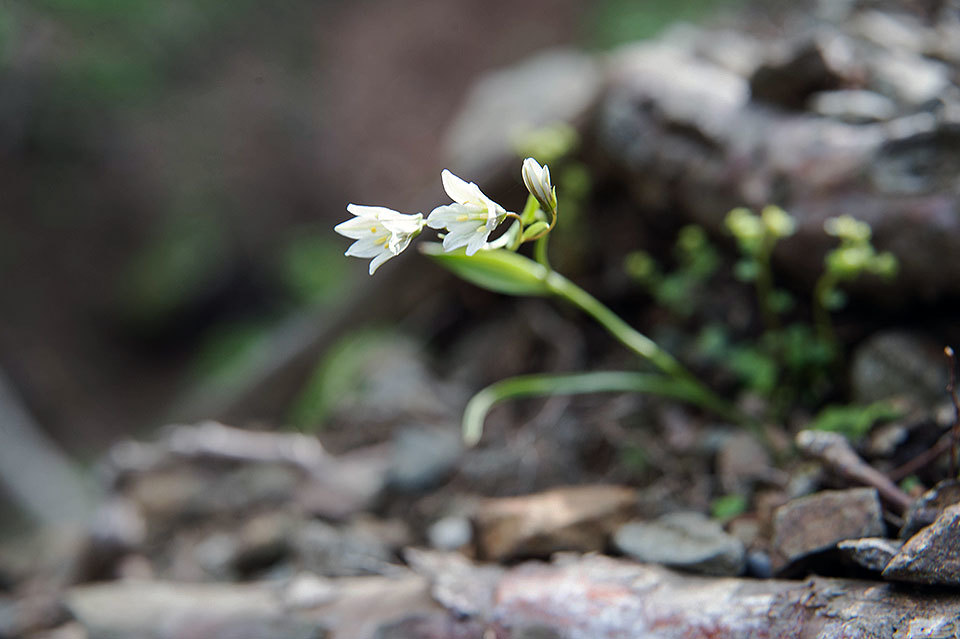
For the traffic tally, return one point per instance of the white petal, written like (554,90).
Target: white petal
(378,260)
(402,224)
(358,228)
(371,212)
(447,215)
(365,248)
(458,237)
(459,190)
(477,241)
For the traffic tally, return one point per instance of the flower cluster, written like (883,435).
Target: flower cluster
(467,222)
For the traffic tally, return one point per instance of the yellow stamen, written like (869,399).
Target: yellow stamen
(381,240)
(373,229)
(463,218)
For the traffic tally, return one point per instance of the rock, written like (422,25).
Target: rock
(807,67)
(689,541)
(424,457)
(431,626)
(810,525)
(347,484)
(549,88)
(925,510)
(307,590)
(332,552)
(450,533)
(580,518)
(686,139)
(161,610)
(894,363)
(932,556)
(262,542)
(854,106)
(741,462)
(872,553)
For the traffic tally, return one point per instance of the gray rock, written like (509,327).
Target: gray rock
(686,540)
(932,556)
(855,106)
(809,525)
(552,87)
(424,457)
(895,363)
(925,510)
(334,552)
(160,610)
(450,533)
(741,462)
(809,66)
(872,553)
(307,590)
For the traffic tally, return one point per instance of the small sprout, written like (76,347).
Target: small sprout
(747,228)
(847,228)
(778,222)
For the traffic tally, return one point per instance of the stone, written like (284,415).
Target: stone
(741,462)
(450,533)
(424,457)
(689,541)
(262,542)
(580,518)
(894,363)
(166,610)
(872,553)
(813,524)
(307,590)
(788,80)
(553,87)
(854,106)
(925,510)
(932,556)
(340,551)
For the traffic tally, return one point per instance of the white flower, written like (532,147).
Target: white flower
(380,233)
(537,180)
(470,219)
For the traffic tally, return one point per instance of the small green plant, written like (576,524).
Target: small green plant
(465,227)
(679,290)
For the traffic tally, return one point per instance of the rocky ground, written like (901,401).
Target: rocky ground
(598,516)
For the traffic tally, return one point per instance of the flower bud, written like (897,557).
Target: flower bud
(537,180)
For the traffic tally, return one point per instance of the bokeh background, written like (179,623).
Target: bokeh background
(170,173)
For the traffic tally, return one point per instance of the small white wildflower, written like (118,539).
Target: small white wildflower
(537,180)
(470,219)
(380,233)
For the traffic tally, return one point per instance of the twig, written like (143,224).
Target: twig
(952,390)
(835,451)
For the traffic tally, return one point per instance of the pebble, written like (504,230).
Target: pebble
(925,510)
(689,541)
(450,533)
(576,518)
(930,556)
(424,457)
(809,525)
(872,553)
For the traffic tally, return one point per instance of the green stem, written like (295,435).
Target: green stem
(764,285)
(821,316)
(640,344)
(540,252)
(569,384)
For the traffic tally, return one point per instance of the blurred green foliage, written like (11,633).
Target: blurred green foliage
(338,375)
(225,354)
(728,507)
(853,420)
(184,257)
(313,269)
(620,21)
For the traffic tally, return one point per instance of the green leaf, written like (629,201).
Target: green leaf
(500,271)
(534,229)
(728,507)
